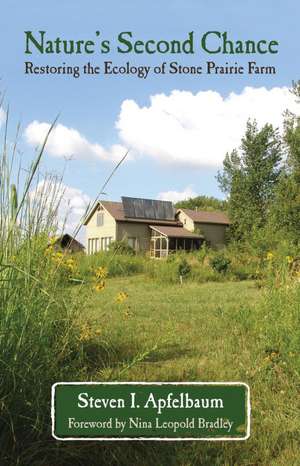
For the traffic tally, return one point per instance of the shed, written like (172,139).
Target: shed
(68,244)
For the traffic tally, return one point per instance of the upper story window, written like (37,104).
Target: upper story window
(100,219)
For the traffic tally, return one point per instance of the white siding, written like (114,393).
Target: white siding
(100,236)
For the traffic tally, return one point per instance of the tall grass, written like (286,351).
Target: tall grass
(163,271)
(44,338)
(116,264)
(37,327)
(41,343)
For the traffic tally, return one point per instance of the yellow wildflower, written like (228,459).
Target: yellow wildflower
(101,273)
(100,286)
(85,333)
(53,240)
(121,297)
(58,257)
(70,264)
(270,256)
(128,312)
(289,259)
(48,251)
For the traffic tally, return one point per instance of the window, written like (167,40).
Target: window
(100,219)
(159,245)
(93,245)
(132,242)
(105,242)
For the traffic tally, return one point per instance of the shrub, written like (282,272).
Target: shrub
(220,263)
(184,268)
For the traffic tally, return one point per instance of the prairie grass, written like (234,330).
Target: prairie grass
(134,320)
(232,331)
(115,264)
(38,321)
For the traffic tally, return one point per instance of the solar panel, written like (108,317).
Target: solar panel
(148,208)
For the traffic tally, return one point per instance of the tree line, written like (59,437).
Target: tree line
(261,181)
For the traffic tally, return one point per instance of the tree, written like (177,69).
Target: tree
(203,203)
(249,178)
(286,208)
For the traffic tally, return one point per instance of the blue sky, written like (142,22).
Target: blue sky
(92,105)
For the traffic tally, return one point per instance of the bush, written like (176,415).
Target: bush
(184,268)
(220,263)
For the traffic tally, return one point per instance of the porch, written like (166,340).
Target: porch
(169,239)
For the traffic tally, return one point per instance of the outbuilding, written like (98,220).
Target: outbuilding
(68,244)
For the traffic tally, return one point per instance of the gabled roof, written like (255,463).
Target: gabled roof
(67,241)
(115,209)
(202,216)
(175,232)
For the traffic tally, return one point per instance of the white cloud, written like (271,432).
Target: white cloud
(198,129)
(72,206)
(66,142)
(180,128)
(176,196)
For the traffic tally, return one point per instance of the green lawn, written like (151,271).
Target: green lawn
(207,332)
(200,330)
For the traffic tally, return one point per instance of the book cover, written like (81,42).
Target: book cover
(149,241)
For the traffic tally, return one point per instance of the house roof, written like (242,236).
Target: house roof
(136,207)
(203,216)
(175,232)
(67,241)
(115,209)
